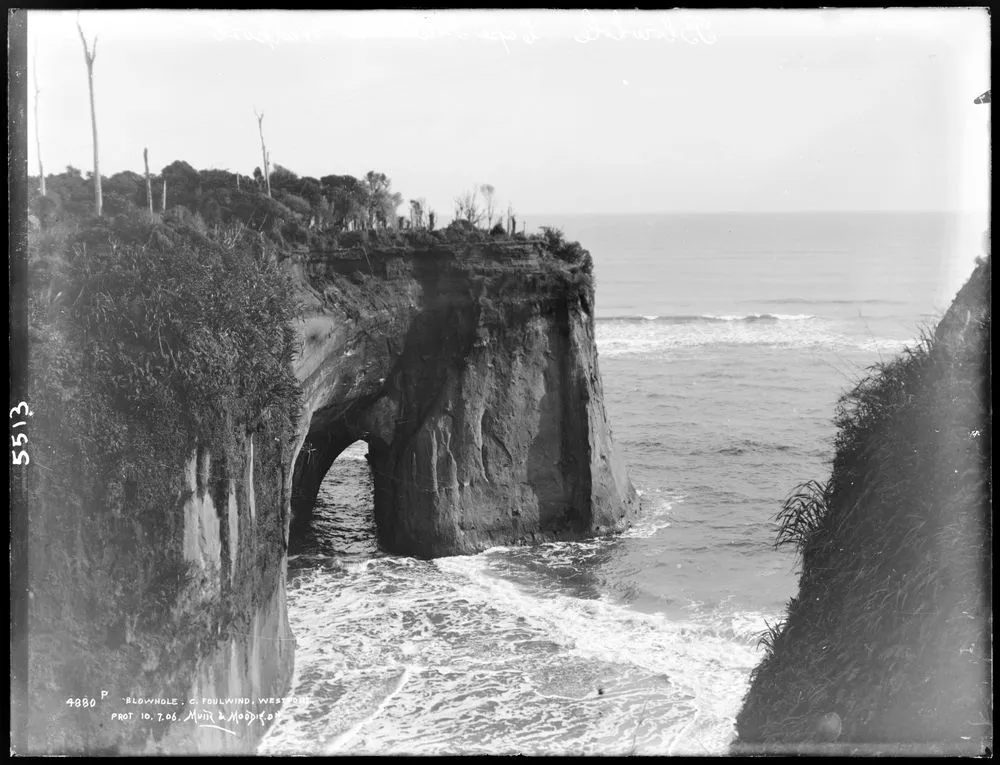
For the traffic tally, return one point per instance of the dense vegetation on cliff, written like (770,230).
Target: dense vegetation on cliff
(149,340)
(335,211)
(888,640)
(294,205)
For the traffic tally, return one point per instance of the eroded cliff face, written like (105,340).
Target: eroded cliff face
(471,371)
(191,660)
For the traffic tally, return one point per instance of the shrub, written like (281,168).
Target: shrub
(568,252)
(294,232)
(553,238)
(422,238)
(350,239)
(459,231)
(47,208)
(183,184)
(296,204)
(801,515)
(181,219)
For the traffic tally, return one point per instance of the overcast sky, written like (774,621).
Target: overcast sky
(562,112)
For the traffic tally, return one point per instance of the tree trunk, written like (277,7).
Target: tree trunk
(98,197)
(149,184)
(263,152)
(164,208)
(90,54)
(38,135)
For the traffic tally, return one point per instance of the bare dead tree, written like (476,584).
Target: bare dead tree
(38,134)
(417,213)
(489,200)
(263,150)
(467,208)
(90,53)
(149,184)
(511,220)
(164,207)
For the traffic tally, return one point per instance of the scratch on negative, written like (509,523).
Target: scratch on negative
(207,725)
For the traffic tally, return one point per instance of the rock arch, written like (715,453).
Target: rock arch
(473,377)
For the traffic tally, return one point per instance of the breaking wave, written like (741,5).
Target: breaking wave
(709,318)
(630,335)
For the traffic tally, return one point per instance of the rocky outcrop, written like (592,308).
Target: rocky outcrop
(471,372)
(890,635)
(193,641)
(158,539)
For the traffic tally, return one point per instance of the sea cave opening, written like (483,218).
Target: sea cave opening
(333,507)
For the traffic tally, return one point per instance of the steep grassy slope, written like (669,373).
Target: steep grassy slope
(888,640)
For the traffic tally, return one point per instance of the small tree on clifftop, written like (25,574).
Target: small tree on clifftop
(416,213)
(467,208)
(490,201)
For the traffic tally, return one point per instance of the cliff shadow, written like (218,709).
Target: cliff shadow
(554,471)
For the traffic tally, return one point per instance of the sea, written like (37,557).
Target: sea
(724,342)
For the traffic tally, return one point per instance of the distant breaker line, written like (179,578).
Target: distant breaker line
(693,319)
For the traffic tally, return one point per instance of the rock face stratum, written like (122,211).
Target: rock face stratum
(471,372)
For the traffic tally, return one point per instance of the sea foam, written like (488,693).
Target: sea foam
(630,336)
(462,655)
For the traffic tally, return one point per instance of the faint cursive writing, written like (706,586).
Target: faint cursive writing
(692,30)
(268,37)
(525,33)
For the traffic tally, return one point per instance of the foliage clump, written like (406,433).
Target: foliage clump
(569,252)
(297,208)
(331,212)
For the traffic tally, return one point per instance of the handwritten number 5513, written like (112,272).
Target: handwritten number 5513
(21,457)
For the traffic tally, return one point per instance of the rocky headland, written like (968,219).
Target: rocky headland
(190,388)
